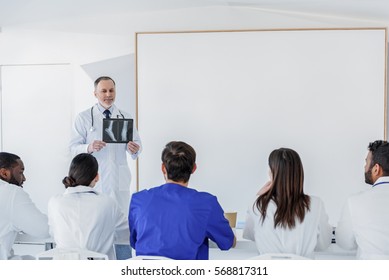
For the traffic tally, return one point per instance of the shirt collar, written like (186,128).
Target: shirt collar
(173,184)
(381,181)
(80,189)
(102,109)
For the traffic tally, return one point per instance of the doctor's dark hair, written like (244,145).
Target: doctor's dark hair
(179,159)
(103,78)
(8,160)
(286,190)
(83,169)
(380,155)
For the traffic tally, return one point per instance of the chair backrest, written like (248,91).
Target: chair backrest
(70,254)
(143,257)
(278,256)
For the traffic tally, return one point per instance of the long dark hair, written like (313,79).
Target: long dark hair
(83,169)
(286,190)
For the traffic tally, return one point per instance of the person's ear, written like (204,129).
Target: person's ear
(97,178)
(163,168)
(5,174)
(194,168)
(164,171)
(377,170)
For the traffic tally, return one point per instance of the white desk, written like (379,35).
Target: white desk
(334,252)
(22,238)
(246,249)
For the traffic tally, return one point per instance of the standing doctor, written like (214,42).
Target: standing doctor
(112,157)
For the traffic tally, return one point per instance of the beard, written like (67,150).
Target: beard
(13,180)
(368,177)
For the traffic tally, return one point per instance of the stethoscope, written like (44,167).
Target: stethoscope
(92,128)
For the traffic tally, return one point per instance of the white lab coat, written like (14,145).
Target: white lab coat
(83,218)
(364,223)
(18,214)
(313,233)
(115,175)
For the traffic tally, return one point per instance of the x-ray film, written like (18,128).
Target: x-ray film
(117,130)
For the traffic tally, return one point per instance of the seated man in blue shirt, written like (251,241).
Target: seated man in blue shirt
(173,220)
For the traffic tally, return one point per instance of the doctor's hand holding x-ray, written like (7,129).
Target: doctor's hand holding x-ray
(112,157)
(97,145)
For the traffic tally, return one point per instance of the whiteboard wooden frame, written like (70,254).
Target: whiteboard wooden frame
(333,197)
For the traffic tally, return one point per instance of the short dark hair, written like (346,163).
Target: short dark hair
(380,155)
(179,159)
(8,160)
(103,78)
(83,169)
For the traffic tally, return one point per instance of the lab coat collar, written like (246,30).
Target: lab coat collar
(2,182)
(102,109)
(382,181)
(80,189)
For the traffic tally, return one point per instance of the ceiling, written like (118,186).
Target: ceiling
(59,13)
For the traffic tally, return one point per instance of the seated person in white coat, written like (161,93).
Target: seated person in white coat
(364,222)
(83,218)
(18,213)
(283,219)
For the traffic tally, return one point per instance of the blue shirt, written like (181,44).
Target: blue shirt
(175,222)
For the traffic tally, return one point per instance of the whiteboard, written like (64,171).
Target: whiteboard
(237,95)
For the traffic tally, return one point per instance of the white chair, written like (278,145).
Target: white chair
(70,254)
(143,257)
(278,256)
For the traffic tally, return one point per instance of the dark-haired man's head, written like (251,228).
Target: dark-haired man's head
(178,161)
(11,169)
(377,161)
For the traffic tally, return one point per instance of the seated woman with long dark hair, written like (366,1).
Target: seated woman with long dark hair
(283,219)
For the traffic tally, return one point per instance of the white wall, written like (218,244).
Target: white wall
(36,124)
(94,40)
(236,96)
